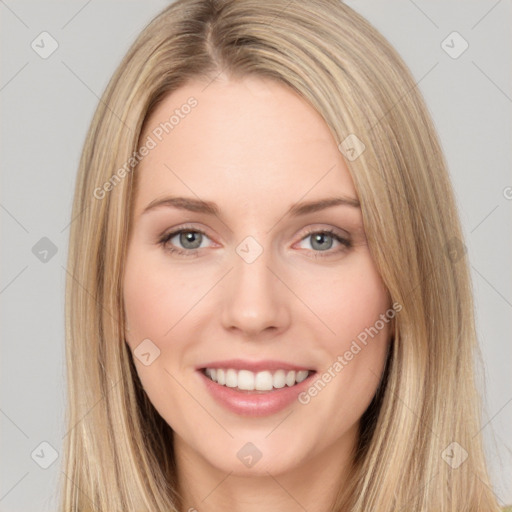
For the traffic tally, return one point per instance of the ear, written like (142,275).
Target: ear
(126,336)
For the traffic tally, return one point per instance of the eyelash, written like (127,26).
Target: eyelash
(164,239)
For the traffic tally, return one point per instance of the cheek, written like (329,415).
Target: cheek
(155,296)
(153,311)
(351,302)
(353,306)
(145,304)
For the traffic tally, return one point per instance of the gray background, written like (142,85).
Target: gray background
(46,107)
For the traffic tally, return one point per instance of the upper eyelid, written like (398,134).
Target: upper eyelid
(171,233)
(310,230)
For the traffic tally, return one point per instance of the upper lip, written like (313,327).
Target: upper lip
(253,366)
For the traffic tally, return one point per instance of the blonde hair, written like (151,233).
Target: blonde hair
(118,450)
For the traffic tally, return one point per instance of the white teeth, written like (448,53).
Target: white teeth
(301,375)
(260,381)
(279,379)
(263,381)
(290,378)
(245,380)
(231,380)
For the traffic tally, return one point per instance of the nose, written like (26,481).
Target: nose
(255,300)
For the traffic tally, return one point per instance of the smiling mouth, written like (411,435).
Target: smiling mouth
(264,381)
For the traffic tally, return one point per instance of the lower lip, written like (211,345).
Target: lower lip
(255,403)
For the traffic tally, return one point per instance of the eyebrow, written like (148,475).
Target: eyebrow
(211,208)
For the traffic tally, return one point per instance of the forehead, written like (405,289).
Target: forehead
(252,138)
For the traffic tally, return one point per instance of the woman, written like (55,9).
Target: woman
(220,353)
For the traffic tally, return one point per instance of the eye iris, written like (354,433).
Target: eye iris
(187,237)
(320,237)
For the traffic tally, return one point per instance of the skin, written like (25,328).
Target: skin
(254,147)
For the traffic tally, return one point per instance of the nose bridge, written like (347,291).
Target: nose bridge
(254,300)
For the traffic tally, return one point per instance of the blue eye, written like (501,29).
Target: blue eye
(191,240)
(323,241)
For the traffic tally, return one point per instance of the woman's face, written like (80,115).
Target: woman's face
(248,271)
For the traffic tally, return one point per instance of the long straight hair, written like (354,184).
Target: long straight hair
(118,450)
